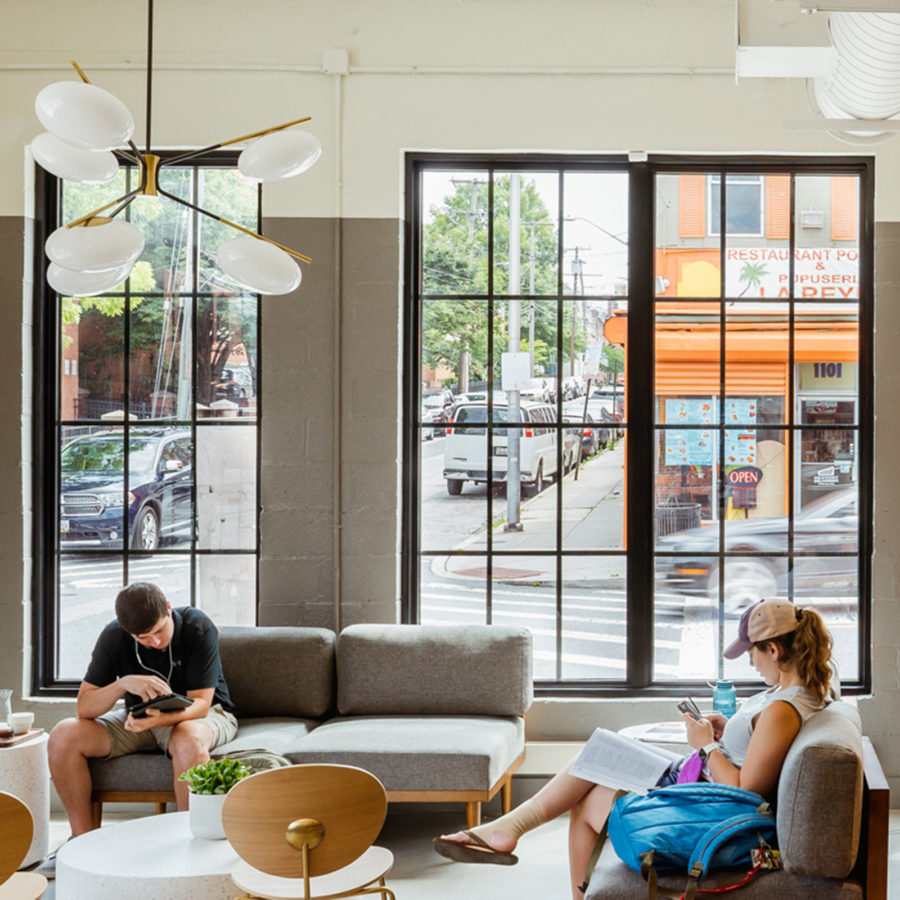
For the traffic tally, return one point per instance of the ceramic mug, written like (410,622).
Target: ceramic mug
(21,722)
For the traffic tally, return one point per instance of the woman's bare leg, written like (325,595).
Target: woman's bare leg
(562,793)
(585,823)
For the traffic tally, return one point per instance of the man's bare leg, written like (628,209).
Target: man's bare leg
(188,746)
(72,743)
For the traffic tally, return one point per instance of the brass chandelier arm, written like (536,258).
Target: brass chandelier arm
(224,221)
(125,199)
(245,137)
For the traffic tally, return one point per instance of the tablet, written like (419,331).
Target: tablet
(164,704)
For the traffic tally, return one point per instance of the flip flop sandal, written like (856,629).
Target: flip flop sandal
(479,851)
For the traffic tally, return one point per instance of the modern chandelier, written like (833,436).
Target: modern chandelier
(94,253)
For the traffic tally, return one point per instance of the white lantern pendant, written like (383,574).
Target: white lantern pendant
(85,284)
(280,155)
(258,265)
(99,247)
(84,115)
(72,163)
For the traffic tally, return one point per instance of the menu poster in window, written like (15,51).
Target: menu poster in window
(698,446)
(691,411)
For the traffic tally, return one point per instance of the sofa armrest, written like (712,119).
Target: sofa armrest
(872,861)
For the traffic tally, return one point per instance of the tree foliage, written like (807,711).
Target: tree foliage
(455,262)
(225,323)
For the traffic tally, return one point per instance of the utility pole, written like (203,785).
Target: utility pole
(577,291)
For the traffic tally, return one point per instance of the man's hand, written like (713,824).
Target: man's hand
(145,686)
(143,723)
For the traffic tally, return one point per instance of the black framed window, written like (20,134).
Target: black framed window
(638,397)
(147,420)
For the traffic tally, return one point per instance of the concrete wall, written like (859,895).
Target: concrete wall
(570,75)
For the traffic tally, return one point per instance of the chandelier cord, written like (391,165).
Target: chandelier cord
(149,67)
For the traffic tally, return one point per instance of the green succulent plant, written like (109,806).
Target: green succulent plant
(218,776)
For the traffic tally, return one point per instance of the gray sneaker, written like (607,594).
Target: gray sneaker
(48,867)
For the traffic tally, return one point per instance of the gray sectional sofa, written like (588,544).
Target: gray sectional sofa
(832,816)
(434,712)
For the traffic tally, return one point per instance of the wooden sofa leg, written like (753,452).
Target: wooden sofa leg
(96,813)
(160,808)
(473,813)
(506,796)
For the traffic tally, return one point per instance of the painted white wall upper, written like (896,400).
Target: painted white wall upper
(652,75)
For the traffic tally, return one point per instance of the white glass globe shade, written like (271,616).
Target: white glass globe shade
(84,115)
(73,163)
(85,284)
(258,265)
(95,248)
(281,155)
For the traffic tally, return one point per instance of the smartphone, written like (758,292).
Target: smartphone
(688,706)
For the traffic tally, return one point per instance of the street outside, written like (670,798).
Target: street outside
(586,633)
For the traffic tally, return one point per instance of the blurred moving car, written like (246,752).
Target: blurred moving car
(92,488)
(829,524)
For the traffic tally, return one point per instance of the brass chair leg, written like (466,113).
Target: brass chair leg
(473,813)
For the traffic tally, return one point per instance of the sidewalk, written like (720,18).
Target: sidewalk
(592,519)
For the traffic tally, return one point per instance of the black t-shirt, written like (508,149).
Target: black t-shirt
(190,663)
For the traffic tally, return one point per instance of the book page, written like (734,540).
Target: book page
(620,762)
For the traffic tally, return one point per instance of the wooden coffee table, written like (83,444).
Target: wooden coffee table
(156,856)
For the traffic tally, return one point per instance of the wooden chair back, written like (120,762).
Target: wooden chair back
(349,803)
(16,832)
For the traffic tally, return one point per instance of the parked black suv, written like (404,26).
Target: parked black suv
(160,478)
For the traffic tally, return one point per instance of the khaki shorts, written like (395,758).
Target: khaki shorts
(223,725)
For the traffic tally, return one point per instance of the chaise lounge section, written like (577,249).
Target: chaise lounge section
(832,816)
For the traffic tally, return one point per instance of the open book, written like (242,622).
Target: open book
(621,762)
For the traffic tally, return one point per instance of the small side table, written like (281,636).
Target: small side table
(156,856)
(25,773)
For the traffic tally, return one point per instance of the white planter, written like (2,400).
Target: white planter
(205,817)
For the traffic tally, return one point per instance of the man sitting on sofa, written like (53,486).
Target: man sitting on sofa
(149,650)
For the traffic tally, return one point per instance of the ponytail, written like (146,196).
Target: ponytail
(808,649)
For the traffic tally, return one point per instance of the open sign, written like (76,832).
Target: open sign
(745,475)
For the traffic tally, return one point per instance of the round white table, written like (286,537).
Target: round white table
(156,857)
(25,773)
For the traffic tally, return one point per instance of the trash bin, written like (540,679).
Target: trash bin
(674,516)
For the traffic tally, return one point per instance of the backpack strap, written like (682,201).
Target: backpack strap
(714,838)
(598,845)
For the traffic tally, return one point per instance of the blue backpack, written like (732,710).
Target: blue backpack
(689,828)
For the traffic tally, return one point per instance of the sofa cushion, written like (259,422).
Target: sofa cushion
(151,770)
(148,770)
(819,807)
(277,735)
(419,753)
(613,880)
(279,671)
(482,670)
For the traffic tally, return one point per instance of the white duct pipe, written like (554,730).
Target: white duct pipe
(864,82)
